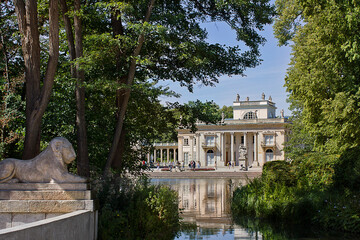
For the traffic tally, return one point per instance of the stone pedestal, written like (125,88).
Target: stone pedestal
(22,203)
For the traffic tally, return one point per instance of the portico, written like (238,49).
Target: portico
(164,153)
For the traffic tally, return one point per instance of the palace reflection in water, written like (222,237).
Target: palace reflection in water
(206,202)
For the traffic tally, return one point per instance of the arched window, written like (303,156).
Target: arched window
(269,155)
(250,115)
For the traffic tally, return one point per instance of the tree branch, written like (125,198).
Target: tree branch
(129,81)
(53,56)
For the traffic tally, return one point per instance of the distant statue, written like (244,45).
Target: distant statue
(49,166)
(222,117)
(263,96)
(270,98)
(247,99)
(242,152)
(237,97)
(282,113)
(180,121)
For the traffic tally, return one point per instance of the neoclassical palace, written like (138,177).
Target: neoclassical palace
(252,137)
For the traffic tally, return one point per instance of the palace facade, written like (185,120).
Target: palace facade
(253,136)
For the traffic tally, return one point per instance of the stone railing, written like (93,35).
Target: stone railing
(165,144)
(263,144)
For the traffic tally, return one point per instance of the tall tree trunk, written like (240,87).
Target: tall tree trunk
(124,104)
(37,98)
(117,162)
(120,93)
(76,51)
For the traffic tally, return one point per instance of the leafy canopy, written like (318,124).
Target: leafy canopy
(324,73)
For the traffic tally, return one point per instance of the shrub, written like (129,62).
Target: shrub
(316,188)
(347,170)
(315,171)
(134,209)
(278,173)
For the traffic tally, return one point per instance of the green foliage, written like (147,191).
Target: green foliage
(175,47)
(315,171)
(347,170)
(299,140)
(339,211)
(278,172)
(324,92)
(314,188)
(228,111)
(323,76)
(136,210)
(193,111)
(11,83)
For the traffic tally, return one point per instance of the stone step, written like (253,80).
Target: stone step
(44,186)
(45,206)
(44,195)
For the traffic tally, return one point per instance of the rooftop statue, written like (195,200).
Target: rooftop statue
(49,166)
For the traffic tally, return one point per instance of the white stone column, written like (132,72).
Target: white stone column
(245,139)
(148,157)
(198,147)
(175,154)
(180,149)
(256,161)
(168,154)
(261,138)
(191,139)
(155,155)
(232,148)
(223,152)
(247,152)
(161,154)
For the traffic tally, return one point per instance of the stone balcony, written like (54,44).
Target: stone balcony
(209,146)
(268,145)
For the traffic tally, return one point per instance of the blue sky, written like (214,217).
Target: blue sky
(267,77)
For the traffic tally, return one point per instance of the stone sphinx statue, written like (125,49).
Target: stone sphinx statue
(49,166)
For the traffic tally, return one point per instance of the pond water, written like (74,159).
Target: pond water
(206,204)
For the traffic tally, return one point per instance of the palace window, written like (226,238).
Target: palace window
(269,139)
(210,140)
(269,155)
(242,139)
(250,115)
(186,142)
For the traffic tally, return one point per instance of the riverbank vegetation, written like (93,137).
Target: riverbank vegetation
(315,188)
(319,182)
(135,209)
